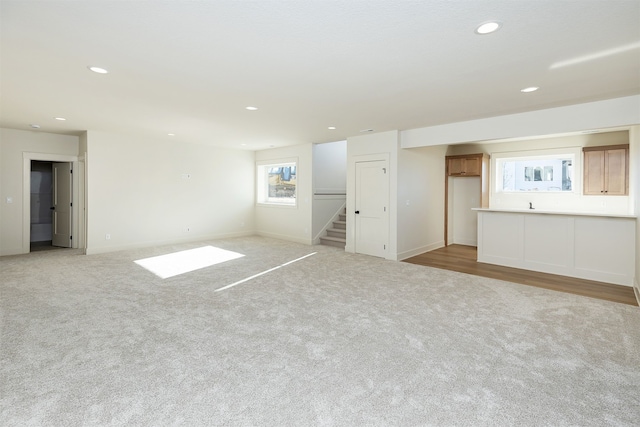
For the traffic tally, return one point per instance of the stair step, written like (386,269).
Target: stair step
(342,225)
(337,232)
(333,241)
(343,216)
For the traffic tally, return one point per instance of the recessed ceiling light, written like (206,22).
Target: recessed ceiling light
(243,144)
(331,128)
(34,126)
(98,70)
(62,119)
(171,134)
(366,130)
(251,108)
(529,89)
(488,27)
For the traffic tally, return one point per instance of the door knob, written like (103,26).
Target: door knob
(53,208)
(357,212)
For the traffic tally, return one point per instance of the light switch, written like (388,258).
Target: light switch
(9,199)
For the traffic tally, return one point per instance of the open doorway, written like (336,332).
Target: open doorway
(73,179)
(41,215)
(50,205)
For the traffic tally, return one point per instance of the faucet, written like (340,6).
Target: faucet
(531,205)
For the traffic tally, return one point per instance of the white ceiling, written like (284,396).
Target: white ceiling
(190,68)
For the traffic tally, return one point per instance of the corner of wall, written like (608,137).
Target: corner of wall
(634,191)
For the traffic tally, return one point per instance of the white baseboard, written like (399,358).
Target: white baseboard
(286,238)
(19,250)
(420,250)
(465,242)
(107,249)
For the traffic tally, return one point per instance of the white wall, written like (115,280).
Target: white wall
(383,144)
(330,167)
(286,222)
(138,192)
(329,184)
(13,143)
(416,205)
(634,175)
(575,118)
(82,220)
(420,200)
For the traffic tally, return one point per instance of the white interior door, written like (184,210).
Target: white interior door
(372,208)
(62,186)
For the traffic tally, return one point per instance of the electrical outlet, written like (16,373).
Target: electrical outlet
(107,237)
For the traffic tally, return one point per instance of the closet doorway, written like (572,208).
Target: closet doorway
(51,201)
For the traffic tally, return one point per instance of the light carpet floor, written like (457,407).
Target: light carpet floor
(334,339)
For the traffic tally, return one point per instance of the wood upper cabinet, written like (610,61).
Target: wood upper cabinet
(606,170)
(465,165)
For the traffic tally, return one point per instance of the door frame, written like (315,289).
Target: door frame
(356,217)
(351,188)
(77,220)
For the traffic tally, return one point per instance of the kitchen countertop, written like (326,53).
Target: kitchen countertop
(547,212)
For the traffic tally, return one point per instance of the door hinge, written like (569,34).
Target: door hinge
(384,247)
(70,204)
(70,170)
(70,237)
(384,170)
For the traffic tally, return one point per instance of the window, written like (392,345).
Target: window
(277,183)
(543,173)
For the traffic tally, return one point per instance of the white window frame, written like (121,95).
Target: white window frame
(262,183)
(573,153)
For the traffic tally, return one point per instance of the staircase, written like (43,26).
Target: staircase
(337,234)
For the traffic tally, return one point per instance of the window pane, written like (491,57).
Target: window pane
(277,184)
(541,174)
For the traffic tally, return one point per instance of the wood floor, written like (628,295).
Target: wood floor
(463,259)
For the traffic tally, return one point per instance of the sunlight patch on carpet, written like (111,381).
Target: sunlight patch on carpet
(174,264)
(264,272)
